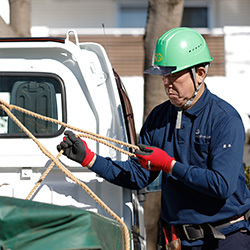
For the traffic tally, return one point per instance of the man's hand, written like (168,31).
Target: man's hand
(76,149)
(154,159)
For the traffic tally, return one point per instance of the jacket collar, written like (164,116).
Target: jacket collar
(200,104)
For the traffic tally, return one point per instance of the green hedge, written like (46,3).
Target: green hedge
(247,173)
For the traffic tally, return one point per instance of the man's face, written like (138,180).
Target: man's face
(179,87)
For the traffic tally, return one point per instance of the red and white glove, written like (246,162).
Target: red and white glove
(153,158)
(76,149)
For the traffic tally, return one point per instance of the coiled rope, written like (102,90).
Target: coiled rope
(55,160)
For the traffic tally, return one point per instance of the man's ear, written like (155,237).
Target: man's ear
(200,75)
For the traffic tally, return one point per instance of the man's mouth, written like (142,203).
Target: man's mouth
(171,93)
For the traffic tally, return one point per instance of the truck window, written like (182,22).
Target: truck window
(41,93)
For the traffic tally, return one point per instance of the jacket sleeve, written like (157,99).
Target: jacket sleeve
(128,174)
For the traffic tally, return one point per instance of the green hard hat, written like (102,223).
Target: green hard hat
(179,49)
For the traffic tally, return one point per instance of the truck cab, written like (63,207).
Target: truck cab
(73,83)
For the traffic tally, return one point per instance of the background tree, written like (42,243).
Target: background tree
(162,16)
(19,20)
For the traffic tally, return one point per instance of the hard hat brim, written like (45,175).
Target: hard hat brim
(159,70)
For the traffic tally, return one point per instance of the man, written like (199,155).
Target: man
(196,139)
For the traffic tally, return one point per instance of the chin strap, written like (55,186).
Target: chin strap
(189,102)
(178,119)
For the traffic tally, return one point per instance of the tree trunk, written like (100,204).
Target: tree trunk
(152,212)
(19,20)
(20,17)
(162,16)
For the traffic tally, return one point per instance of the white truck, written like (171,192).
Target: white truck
(74,83)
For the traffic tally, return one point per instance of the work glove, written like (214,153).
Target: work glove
(76,149)
(153,158)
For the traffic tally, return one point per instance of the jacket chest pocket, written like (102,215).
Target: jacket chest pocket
(199,154)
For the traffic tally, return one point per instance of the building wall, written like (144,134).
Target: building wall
(230,13)
(93,13)
(73,14)
(239,15)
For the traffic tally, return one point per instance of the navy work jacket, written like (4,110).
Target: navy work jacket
(208,182)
